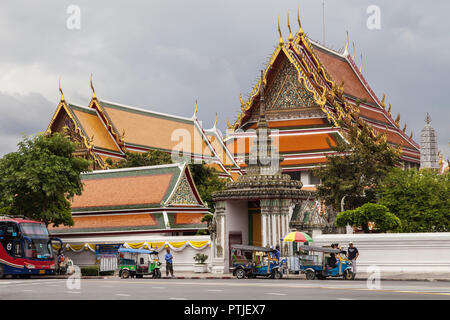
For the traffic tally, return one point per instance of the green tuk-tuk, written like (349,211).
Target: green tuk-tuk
(138,262)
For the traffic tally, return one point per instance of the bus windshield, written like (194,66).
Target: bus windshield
(34,230)
(37,245)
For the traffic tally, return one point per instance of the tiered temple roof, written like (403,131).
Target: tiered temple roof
(308,88)
(136,200)
(108,130)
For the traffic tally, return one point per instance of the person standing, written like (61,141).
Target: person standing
(169,263)
(352,254)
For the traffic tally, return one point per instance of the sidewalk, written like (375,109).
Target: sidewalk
(361,276)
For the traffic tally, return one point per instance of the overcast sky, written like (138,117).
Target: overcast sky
(163,55)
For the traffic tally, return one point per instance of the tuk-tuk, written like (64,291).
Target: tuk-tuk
(138,262)
(320,265)
(251,262)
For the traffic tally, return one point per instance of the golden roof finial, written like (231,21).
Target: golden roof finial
(281,42)
(217,118)
(228,124)
(383,100)
(397,120)
(411,135)
(196,108)
(360,68)
(346,46)
(353,55)
(389,109)
(93,90)
(291,37)
(404,128)
(123,134)
(300,29)
(60,90)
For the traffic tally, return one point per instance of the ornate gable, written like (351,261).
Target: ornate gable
(183,194)
(285,91)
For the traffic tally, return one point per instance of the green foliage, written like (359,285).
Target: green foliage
(357,170)
(38,180)
(200,258)
(149,158)
(369,212)
(207,181)
(421,199)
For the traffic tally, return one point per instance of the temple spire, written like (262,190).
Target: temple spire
(429,155)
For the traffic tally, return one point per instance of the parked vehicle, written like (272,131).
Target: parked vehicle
(138,262)
(318,263)
(25,247)
(251,262)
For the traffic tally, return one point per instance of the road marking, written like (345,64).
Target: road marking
(27,290)
(236,283)
(122,295)
(73,291)
(215,290)
(277,294)
(158,287)
(177,299)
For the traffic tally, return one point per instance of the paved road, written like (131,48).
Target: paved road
(233,289)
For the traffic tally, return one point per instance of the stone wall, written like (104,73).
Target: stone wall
(396,252)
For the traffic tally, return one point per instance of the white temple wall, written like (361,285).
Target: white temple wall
(237,218)
(396,252)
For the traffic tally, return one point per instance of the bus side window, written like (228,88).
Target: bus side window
(17,249)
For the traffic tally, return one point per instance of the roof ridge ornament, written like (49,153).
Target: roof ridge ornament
(360,68)
(346,46)
(353,55)
(300,29)
(383,104)
(291,37)
(215,122)
(94,96)
(196,110)
(60,90)
(281,42)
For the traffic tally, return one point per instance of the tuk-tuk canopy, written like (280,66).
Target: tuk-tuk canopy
(127,250)
(250,248)
(318,249)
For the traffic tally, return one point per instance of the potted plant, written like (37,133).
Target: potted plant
(200,266)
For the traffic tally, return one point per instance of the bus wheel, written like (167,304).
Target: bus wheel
(2,272)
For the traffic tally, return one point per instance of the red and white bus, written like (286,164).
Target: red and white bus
(26,247)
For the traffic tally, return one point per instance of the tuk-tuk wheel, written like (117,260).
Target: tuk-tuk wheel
(310,275)
(277,275)
(349,275)
(240,273)
(125,274)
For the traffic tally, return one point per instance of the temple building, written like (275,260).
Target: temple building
(308,88)
(106,130)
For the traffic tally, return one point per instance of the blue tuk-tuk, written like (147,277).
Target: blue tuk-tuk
(251,262)
(318,263)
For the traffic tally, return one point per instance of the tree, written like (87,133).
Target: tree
(359,166)
(369,212)
(206,178)
(149,158)
(38,180)
(421,199)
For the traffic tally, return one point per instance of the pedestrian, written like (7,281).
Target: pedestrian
(60,262)
(352,254)
(169,263)
(276,253)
